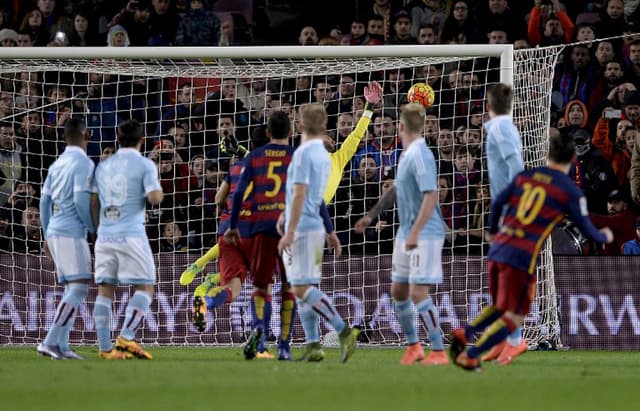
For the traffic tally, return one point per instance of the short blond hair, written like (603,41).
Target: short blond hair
(313,118)
(413,117)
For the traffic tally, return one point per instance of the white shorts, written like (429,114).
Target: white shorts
(422,265)
(303,262)
(72,258)
(124,260)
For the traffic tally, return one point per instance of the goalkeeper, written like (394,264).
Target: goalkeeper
(339,160)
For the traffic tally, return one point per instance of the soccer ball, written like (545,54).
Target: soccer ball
(421,93)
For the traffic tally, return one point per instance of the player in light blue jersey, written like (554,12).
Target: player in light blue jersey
(65,211)
(504,160)
(123,254)
(417,253)
(303,241)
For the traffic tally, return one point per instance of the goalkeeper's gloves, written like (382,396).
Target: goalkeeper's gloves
(229,145)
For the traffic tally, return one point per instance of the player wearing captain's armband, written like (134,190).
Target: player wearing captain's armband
(339,160)
(536,200)
(417,252)
(303,241)
(66,218)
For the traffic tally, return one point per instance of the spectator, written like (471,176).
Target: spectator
(136,20)
(577,78)
(51,21)
(102,112)
(474,236)
(460,24)
(620,219)
(32,23)
(364,193)
(11,161)
(182,111)
(164,23)
(604,52)
(427,12)
(308,36)
(497,36)
(196,165)
(584,32)
(611,78)
(375,30)
(633,69)
(498,17)
(200,27)
(384,146)
(107,151)
(176,180)
(558,27)
(83,34)
(28,238)
(576,114)
(444,153)
(24,39)
(118,37)
(615,152)
(427,34)
(632,247)
(8,38)
(172,238)
(612,21)
(631,108)
(6,234)
(379,236)
(402,29)
(464,175)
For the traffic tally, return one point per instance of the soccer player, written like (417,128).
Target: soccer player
(417,252)
(504,160)
(123,254)
(65,210)
(536,200)
(303,241)
(266,171)
(339,160)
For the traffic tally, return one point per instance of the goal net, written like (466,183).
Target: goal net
(190,103)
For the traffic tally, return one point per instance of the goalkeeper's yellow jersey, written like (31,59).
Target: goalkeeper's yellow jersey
(342,156)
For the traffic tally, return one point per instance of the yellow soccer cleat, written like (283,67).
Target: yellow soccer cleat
(115,355)
(265,355)
(190,273)
(210,281)
(130,346)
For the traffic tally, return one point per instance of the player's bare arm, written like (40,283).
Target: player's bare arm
(387,201)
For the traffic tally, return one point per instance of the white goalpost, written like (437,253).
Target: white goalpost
(189,99)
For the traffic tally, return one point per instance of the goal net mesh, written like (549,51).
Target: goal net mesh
(188,107)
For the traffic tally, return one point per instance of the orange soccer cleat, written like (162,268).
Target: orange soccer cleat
(467,363)
(412,354)
(436,358)
(132,347)
(495,352)
(510,352)
(458,343)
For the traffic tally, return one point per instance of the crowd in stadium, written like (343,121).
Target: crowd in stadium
(193,136)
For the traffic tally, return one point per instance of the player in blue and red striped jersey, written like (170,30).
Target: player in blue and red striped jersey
(536,200)
(266,171)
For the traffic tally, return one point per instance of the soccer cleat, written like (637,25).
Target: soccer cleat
(467,363)
(190,273)
(265,355)
(312,353)
(115,355)
(210,281)
(199,314)
(458,343)
(72,355)
(494,353)
(412,354)
(510,353)
(348,338)
(251,346)
(50,351)
(132,347)
(284,352)
(436,358)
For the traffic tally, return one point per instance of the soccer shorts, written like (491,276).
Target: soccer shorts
(124,260)
(511,289)
(422,265)
(303,261)
(72,258)
(264,259)
(234,260)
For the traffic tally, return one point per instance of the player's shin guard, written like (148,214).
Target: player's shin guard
(287,314)
(102,318)
(431,320)
(498,331)
(58,335)
(515,338)
(485,319)
(134,314)
(310,322)
(321,304)
(404,312)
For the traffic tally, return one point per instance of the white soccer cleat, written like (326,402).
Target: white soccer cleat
(50,351)
(72,355)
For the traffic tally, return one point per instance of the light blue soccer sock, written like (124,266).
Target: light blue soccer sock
(58,334)
(310,322)
(134,314)
(515,338)
(102,318)
(404,312)
(324,307)
(430,318)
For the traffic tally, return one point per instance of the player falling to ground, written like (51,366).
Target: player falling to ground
(266,171)
(504,160)
(339,160)
(65,210)
(303,241)
(123,254)
(536,200)
(417,252)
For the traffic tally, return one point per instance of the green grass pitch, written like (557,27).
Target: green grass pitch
(219,379)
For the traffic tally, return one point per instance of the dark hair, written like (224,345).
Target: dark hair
(74,130)
(129,133)
(500,97)
(6,124)
(562,148)
(259,137)
(635,43)
(279,125)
